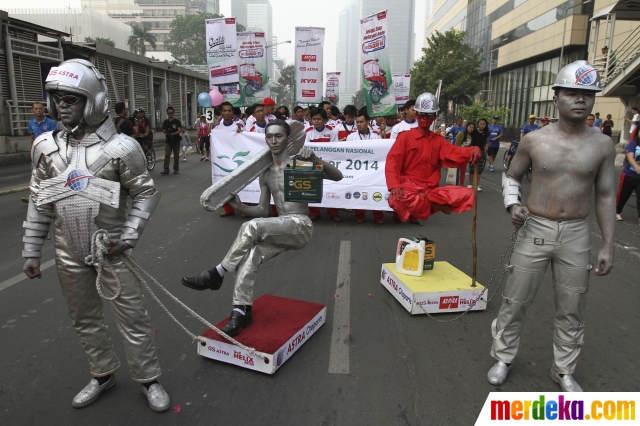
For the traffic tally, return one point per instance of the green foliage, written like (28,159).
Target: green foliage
(449,59)
(138,39)
(473,113)
(358,98)
(285,86)
(100,40)
(187,39)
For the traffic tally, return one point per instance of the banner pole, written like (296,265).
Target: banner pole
(474,223)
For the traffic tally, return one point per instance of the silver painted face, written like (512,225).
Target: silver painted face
(575,104)
(277,139)
(70,115)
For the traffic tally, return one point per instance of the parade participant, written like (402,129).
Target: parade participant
(544,121)
(495,133)
(531,126)
(260,123)
(479,138)
(348,126)
(389,122)
(465,139)
(460,126)
(260,240)
(37,126)
(204,138)
(269,108)
(227,124)
(298,115)
(185,142)
(145,135)
(377,124)
(409,121)
(320,132)
(326,105)
(84,176)
(413,168)
(556,230)
(629,178)
(362,134)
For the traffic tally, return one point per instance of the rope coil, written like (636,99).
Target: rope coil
(100,247)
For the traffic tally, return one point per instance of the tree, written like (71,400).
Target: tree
(101,40)
(285,86)
(138,39)
(187,39)
(449,59)
(358,98)
(473,113)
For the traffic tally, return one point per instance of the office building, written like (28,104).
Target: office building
(154,15)
(347,52)
(526,43)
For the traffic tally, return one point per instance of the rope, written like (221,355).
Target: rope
(100,246)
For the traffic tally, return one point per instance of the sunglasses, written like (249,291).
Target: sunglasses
(66,99)
(430,115)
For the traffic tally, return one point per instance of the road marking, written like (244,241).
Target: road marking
(339,354)
(15,280)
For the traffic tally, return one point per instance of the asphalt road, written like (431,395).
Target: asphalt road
(403,369)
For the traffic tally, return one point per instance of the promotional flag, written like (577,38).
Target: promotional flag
(376,70)
(222,58)
(401,86)
(333,88)
(252,61)
(309,46)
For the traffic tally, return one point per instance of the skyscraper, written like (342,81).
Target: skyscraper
(346,52)
(256,15)
(154,15)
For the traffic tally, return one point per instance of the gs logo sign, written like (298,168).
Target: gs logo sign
(302,184)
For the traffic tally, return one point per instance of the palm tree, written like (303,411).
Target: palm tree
(138,38)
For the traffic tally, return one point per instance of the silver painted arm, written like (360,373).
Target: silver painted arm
(511,193)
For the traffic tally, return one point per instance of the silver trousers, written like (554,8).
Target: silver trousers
(258,241)
(78,282)
(566,245)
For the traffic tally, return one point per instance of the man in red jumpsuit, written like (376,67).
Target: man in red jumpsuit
(413,168)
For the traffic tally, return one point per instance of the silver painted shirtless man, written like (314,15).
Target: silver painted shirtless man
(568,159)
(263,238)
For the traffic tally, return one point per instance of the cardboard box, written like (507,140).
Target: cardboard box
(442,289)
(280,327)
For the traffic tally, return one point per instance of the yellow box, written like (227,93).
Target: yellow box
(442,289)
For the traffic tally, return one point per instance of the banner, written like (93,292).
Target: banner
(252,61)
(401,86)
(333,88)
(222,58)
(309,47)
(363,185)
(376,70)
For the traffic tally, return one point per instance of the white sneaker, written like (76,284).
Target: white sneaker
(470,186)
(479,189)
(619,218)
(184,159)
(490,168)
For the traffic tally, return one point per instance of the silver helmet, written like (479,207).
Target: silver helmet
(81,77)
(578,75)
(426,102)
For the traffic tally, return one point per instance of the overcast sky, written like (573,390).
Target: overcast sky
(287,14)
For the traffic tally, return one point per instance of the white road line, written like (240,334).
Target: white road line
(15,280)
(339,354)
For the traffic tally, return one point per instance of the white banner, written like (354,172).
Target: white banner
(309,47)
(333,88)
(222,51)
(401,86)
(362,164)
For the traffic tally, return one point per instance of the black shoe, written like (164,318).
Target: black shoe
(205,280)
(238,320)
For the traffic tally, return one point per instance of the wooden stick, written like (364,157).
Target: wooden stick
(473,224)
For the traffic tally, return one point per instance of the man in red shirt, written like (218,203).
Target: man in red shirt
(413,168)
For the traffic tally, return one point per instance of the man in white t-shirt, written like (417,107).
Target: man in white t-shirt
(364,133)
(347,126)
(260,123)
(409,121)
(227,125)
(634,121)
(298,115)
(269,107)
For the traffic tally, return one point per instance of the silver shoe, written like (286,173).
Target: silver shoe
(158,398)
(91,392)
(567,382)
(497,375)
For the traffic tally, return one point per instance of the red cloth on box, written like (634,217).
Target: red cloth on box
(414,163)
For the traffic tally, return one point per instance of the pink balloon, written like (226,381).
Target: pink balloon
(216,97)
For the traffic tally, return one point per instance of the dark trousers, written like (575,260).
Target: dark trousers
(175,149)
(627,186)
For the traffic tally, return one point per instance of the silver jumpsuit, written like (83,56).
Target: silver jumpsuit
(84,186)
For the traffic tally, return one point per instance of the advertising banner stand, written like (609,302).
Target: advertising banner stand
(333,88)
(252,62)
(222,58)
(309,54)
(376,69)
(401,87)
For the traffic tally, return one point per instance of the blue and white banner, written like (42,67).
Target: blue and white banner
(362,164)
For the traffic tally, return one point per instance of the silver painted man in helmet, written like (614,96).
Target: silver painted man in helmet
(83,177)
(554,229)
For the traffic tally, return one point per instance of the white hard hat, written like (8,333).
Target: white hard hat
(426,103)
(578,75)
